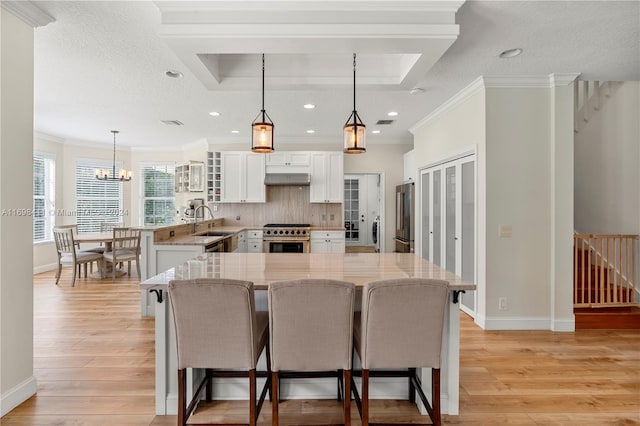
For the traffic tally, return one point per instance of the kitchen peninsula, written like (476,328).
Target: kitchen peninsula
(265,268)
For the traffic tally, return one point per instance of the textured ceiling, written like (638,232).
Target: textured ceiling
(101,66)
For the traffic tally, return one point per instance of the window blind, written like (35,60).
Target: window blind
(158,193)
(44,191)
(96,200)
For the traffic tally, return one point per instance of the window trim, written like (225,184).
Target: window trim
(49,197)
(143,198)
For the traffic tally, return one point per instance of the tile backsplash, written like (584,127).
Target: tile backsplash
(285,204)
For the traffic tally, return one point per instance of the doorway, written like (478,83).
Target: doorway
(363,212)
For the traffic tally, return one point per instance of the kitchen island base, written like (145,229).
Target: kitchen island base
(262,269)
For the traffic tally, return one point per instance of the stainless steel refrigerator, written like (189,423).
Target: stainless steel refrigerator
(405,205)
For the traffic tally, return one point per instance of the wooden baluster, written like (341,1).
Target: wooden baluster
(589,270)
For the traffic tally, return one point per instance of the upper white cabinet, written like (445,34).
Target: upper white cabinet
(409,166)
(327,179)
(190,177)
(242,177)
(288,162)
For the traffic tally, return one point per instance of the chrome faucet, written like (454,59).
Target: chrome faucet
(195,216)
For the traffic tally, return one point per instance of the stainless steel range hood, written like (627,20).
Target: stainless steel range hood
(287,179)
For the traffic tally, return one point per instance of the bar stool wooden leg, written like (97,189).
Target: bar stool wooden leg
(275,397)
(252,398)
(347,397)
(182,402)
(435,396)
(209,389)
(365,397)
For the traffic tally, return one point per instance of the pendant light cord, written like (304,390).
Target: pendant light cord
(113,166)
(354,85)
(263,111)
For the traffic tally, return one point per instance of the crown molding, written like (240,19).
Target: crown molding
(563,79)
(457,99)
(28,12)
(498,82)
(48,138)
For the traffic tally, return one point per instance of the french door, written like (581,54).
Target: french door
(448,219)
(362,210)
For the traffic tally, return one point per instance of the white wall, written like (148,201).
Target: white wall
(522,141)
(518,194)
(607,165)
(455,130)
(387,159)
(16,188)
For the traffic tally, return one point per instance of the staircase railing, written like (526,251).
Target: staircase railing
(604,270)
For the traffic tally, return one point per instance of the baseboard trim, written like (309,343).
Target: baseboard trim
(17,395)
(517,323)
(45,268)
(563,325)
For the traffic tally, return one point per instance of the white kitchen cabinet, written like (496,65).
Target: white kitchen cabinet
(243,245)
(190,177)
(214,174)
(254,241)
(288,162)
(409,167)
(242,177)
(327,242)
(327,178)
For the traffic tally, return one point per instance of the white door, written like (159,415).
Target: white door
(362,210)
(448,219)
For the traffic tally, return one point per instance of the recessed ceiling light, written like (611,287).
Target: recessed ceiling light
(311,131)
(214,113)
(392,113)
(416,91)
(511,53)
(173,74)
(375,132)
(235,131)
(309,106)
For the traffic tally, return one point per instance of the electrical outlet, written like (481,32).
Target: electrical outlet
(215,207)
(172,234)
(324,217)
(332,217)
(502,303)
(237,217)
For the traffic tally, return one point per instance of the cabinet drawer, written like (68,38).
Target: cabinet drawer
(331,235)
(255,246)
(254,234)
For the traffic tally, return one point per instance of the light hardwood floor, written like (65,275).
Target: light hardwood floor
(94,363)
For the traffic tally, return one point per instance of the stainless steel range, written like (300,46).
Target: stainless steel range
(286,237)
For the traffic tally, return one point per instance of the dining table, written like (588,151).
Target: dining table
(104,238)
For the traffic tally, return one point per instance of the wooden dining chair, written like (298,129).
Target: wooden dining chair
(125,247)
(310,329)
(401,327)
(68,254)
(218,329)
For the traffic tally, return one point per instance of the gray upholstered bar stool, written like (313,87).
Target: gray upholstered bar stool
(218,329)
(401,327)
(311,324)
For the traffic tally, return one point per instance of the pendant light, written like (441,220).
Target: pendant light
(354,128)
(262,127)
(123,176)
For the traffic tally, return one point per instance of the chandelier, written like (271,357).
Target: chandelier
(262,127)
(103,174)
(354,128)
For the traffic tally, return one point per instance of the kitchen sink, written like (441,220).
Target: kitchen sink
(214,234)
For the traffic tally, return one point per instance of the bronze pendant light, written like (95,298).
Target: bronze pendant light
(354,129)
(262,127)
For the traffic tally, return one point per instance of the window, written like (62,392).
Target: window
(44,190)
(158,194)
(96,200)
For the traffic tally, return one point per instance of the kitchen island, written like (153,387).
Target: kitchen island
(265,268)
